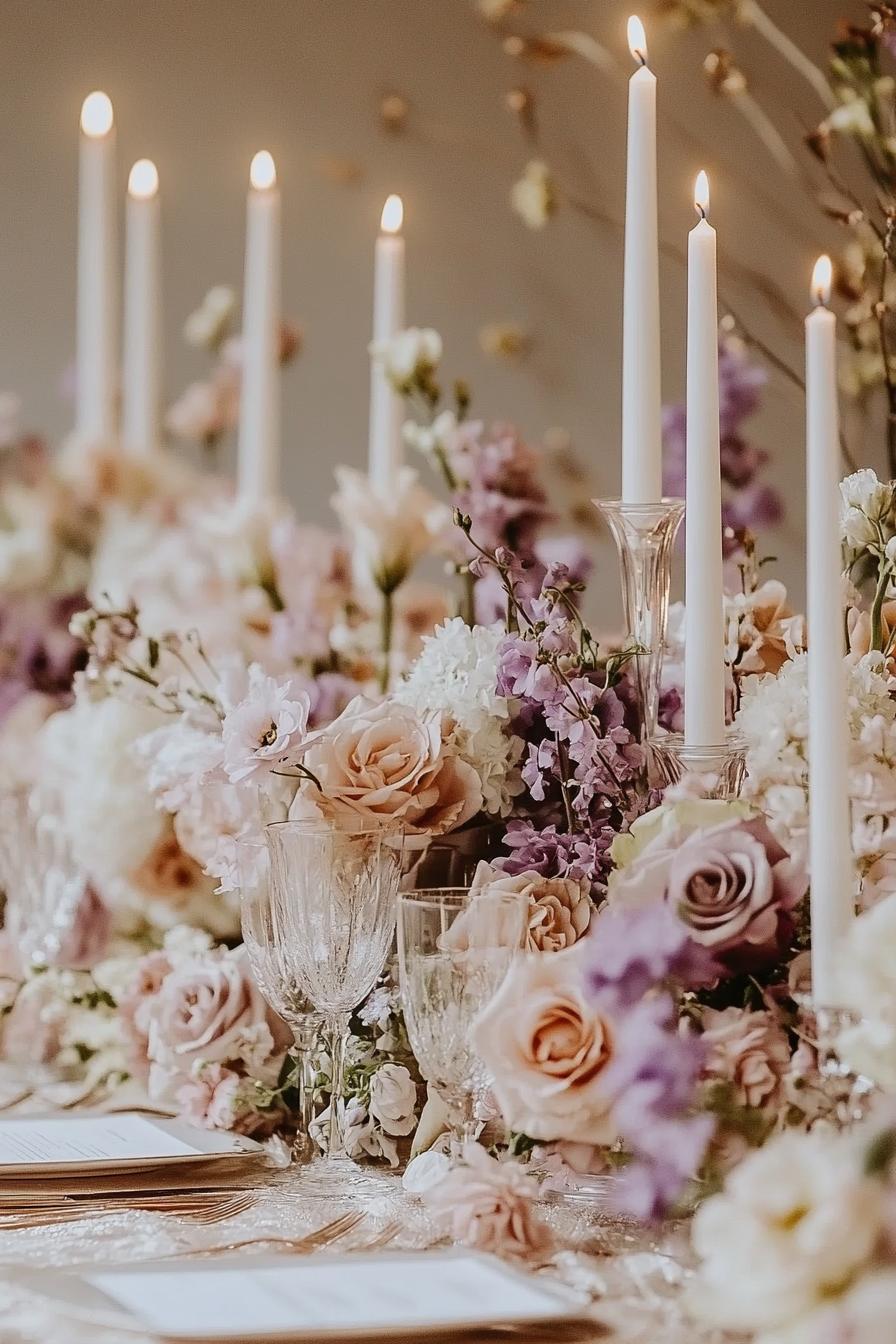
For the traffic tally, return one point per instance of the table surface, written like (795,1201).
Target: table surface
(634,1280)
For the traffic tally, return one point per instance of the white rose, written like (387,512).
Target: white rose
(393,1098)
(424,1171)
(796,1219)
(864,1314)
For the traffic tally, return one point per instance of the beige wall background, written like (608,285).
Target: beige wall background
(199,85)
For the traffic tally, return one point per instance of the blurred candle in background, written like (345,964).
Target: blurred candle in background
(642,459)
(142,361)
(704,665)
(386,406)
(258,468)
(831,866)
(97,263)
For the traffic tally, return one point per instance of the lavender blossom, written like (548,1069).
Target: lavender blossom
(635,949)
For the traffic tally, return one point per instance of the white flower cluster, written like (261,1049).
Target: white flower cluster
(457,673)
(789,1247)
(866,983)
(773,718)
(408,357)
(866,520)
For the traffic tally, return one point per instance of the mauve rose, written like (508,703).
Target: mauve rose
(134,1007)
(384,762)
(548,1051)
(209,1011)
(88,936)
(559,907)
(733,886)
(490,1205)
(748,1050)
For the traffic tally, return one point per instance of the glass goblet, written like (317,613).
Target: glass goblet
(333,894)
(277,980)
(44,886)
(454,951)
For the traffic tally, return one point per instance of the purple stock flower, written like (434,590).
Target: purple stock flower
(750,503)
(633,949)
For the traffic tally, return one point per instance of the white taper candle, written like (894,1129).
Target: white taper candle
(642,463)
(95,392)
(704,668)
(259,429)
(386,406)
(831,868)
(142,358)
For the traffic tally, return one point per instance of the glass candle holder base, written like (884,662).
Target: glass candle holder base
(645,536)
(841,1094)
(720,767)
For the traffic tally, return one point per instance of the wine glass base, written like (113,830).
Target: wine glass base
(333,1177)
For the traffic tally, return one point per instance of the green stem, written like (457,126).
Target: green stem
(387,617)
(883,582)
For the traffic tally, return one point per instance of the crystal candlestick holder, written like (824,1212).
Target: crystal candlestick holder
(645,535)
(673,759)
(843,1096)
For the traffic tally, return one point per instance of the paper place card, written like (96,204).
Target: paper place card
(340,1294)
(47,1141)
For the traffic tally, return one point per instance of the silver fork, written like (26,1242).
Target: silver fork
(309,1241)
(202,1215)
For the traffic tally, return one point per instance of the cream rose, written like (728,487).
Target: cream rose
(559,907)
(548,1052)
(393,1099)
(383,762)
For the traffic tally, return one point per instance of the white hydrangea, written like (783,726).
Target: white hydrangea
(774,719)
(109,812)
(457,673)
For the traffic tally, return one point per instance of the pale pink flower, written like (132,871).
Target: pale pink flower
(198,413)
(548,1051)
(748,1050)
(265,729)
(209,1010)
(389,528)
(210,1098)
(385,763)
(559,907)
(490,1206)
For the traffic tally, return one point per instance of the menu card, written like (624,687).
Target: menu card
(389,1292)
(46,1141)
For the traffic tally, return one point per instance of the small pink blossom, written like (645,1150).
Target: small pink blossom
(210,1099)
(490,1206)
(265,729)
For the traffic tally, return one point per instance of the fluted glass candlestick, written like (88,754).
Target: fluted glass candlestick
(673,758)
(645,535)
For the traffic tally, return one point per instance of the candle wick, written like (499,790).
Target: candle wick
(641,58)
(701,211)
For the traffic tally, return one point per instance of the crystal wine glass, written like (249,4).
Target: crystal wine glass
(277,979)
(40,877)
(333,895)
(454,951)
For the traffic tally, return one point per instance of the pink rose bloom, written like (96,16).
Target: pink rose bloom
(748,1050)
(265,729)
(733,886)
(490,1206)
(30,1031)
(559,907)
(134,1007)
(548,1051)
(211,1098)
(380,763)
(87,938)
(208,1011)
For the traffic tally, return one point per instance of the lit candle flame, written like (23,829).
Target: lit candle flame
(143,180)
(637,40)
(96,115)
(701,194)
(393,215)
(262,173)
(822,275)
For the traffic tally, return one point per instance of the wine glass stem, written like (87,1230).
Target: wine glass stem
(338,1026)
(305,1033)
